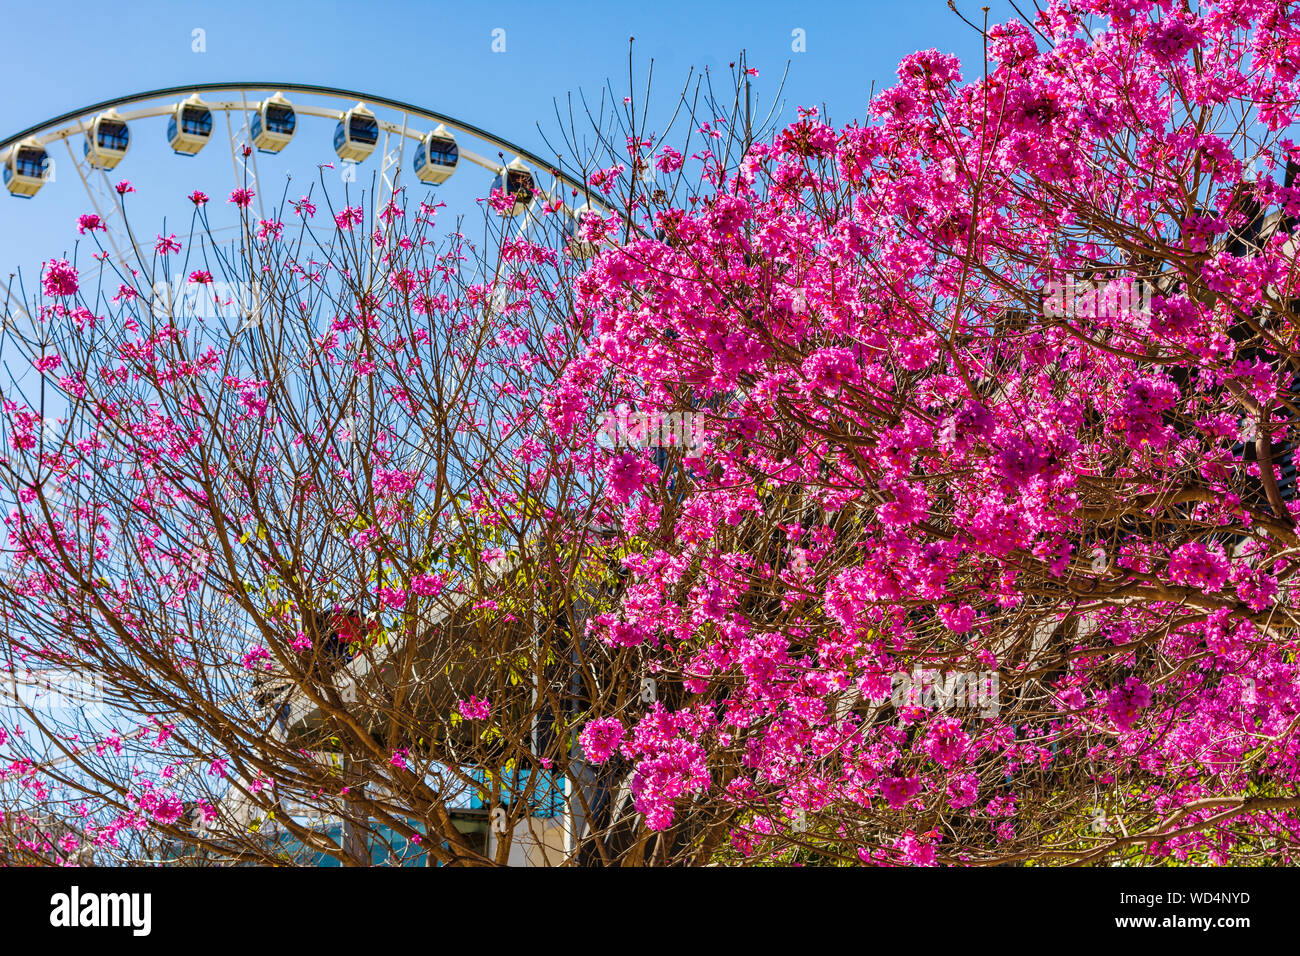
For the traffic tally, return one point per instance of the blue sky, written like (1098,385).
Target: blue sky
(439,54)
(434,54)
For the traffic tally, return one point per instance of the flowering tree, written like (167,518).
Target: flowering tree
(983,552)
(287,526)
(913,491)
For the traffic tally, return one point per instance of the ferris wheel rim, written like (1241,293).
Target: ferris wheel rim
(311,89)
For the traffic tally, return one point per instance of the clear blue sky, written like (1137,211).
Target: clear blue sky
(62,55)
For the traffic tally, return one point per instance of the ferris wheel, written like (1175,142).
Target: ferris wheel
(266,119)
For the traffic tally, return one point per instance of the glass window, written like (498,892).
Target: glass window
(196,122)
(419,156)
(364,130)
(444,153)
(280,119)
(113,135)
(31,162)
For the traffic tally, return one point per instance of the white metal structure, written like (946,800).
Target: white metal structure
(264,111)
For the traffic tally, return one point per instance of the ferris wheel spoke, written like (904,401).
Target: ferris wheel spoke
(12,304)
(106,218)
(391,170)
(232,138)
(109,190)
(257,189)
(390,174)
